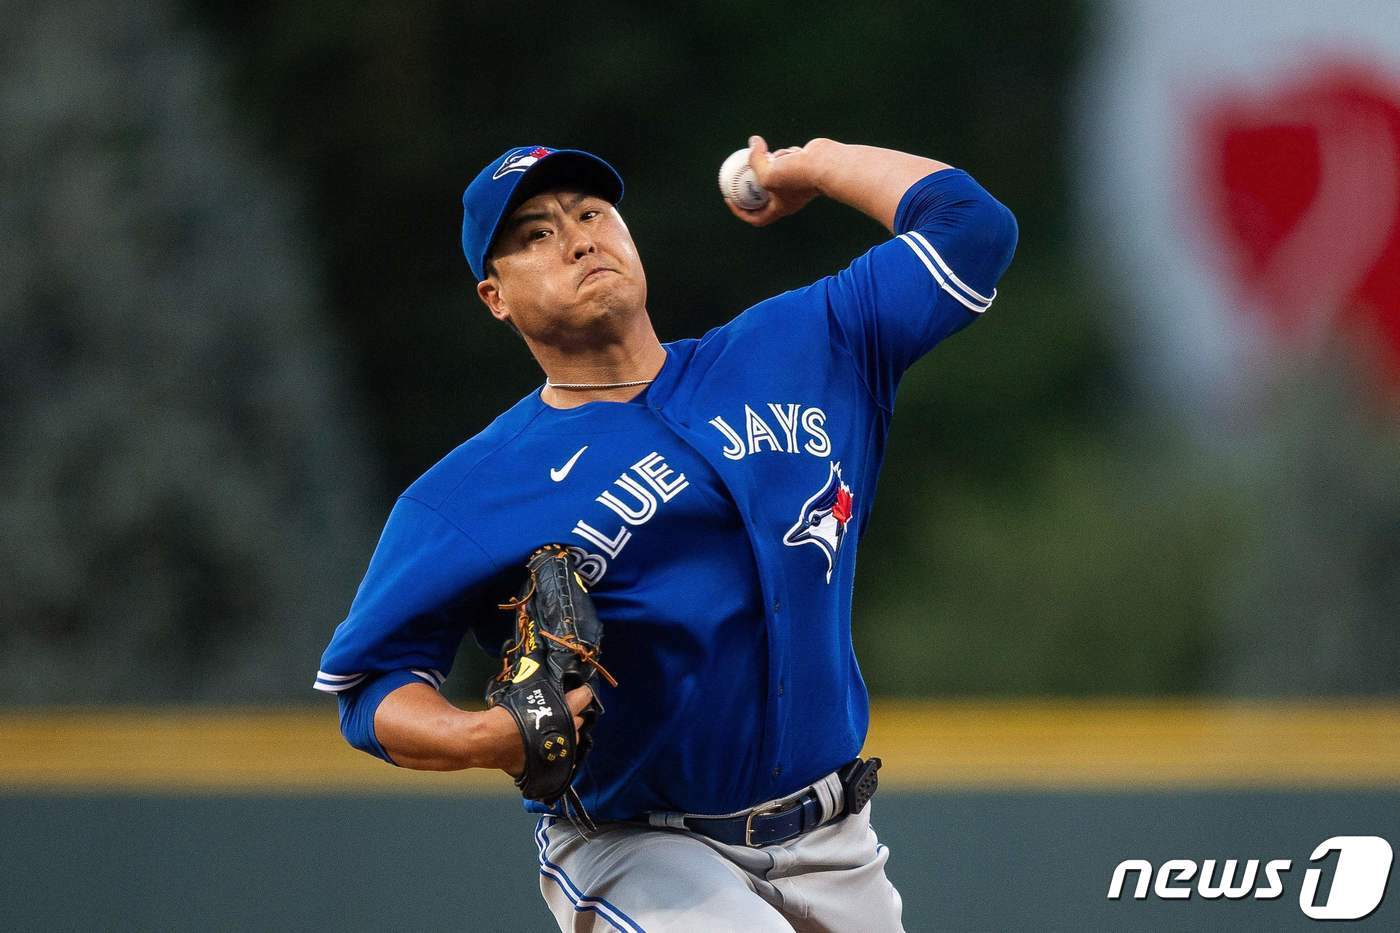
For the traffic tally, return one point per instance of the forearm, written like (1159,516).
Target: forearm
(870,179)
(419,729)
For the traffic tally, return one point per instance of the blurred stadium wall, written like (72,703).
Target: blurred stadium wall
(1008,815)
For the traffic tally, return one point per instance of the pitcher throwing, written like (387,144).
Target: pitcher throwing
(710,494)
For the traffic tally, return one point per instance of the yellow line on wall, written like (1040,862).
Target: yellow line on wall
(1139,745)
(1117,745)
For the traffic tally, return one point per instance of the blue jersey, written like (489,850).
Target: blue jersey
(716,515)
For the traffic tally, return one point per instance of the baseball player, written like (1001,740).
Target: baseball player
(712,492)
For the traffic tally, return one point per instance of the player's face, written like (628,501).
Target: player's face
(566,270)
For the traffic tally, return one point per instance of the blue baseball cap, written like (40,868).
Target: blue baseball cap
(517,175)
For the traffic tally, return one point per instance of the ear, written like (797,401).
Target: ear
(489,291)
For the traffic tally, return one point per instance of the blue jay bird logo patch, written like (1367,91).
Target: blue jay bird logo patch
(520,161)
(823,518)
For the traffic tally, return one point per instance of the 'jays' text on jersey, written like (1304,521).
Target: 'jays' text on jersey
(716,516)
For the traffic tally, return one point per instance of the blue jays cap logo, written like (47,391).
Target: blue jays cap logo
(520,161)
(823,519)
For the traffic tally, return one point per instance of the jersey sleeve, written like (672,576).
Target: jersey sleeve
(939,273)
(426,580)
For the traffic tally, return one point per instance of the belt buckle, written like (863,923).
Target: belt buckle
(758,811)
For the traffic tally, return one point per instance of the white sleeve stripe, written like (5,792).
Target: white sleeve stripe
(949,272)
(334,688)
(322,675)
(942,282)
(949,283)
(336,683)
(433,677)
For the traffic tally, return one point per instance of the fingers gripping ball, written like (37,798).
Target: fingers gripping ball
(738,183)
(556,647)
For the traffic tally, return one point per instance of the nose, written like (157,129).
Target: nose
(580,242)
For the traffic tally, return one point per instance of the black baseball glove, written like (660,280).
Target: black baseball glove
(555,649)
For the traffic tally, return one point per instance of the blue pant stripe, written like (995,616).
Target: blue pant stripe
(580,901)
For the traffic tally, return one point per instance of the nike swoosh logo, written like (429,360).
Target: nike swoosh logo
(559,474)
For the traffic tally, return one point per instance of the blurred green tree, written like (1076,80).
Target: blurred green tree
(183,476)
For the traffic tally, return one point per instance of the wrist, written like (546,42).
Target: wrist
(824,154)
(492,740)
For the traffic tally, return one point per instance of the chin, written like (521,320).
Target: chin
(602,318)
(612,297)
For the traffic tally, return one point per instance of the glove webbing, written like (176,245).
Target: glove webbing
(570,642)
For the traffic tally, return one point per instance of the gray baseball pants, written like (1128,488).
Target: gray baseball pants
(631,878)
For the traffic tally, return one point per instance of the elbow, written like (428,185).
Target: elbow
(991,231)
(952,206)
(351,718)
(1004,234)
(357,709)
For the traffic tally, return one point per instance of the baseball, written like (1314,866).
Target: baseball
(738,184)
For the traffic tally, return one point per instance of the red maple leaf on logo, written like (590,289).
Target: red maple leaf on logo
(841,511)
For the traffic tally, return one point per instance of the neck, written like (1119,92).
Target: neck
(640,357)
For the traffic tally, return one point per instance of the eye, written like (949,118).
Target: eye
(590,214)
(537,234)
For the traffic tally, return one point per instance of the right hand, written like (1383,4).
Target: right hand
(789,175)
(578,698)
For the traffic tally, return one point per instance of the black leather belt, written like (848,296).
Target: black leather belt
(770,826)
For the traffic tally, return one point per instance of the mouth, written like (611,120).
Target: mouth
(591,276)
